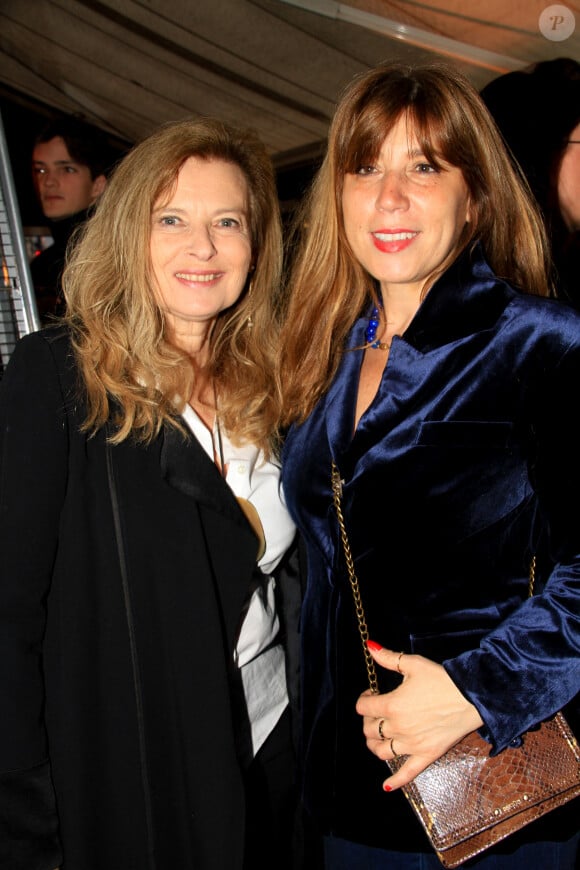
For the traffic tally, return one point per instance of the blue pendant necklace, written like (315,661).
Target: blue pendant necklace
(371,331)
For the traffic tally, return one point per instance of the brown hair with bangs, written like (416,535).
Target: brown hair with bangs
(328,288)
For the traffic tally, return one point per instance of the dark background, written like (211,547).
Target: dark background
(23,119)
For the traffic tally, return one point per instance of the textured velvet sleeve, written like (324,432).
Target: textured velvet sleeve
(33,467)
(529,667)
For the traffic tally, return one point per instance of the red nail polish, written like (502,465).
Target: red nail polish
(387,788)
(374,645)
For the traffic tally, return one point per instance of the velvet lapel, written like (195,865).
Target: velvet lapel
(341,399)
(466,299)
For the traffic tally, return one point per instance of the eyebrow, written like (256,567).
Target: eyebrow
(56,163)
(241,210)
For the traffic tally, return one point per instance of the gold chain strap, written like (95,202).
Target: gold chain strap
(532,579)
(358,605)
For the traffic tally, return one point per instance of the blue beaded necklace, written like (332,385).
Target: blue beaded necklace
(371,331)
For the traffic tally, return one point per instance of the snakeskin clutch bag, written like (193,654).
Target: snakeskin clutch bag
(467,800)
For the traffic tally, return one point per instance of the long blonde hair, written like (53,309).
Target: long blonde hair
(131,372)
(328,288)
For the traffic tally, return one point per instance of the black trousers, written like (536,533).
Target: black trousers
(272,838)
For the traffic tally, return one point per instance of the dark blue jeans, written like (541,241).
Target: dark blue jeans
(343,855)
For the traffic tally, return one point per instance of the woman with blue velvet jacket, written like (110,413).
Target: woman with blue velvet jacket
(422,355)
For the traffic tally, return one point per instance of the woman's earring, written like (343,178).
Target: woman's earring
(249,321)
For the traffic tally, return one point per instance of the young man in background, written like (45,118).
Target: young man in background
(69,166)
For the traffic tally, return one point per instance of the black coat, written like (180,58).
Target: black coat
(117,726)
(47,267)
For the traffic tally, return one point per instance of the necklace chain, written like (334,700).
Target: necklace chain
(220,443)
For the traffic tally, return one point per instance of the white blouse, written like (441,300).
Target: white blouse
(260,659)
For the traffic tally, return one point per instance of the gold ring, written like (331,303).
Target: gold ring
(401,654)
(392,749)
(381,723)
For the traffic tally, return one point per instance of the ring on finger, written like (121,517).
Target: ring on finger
(395,754)
(381,723)
(401,654)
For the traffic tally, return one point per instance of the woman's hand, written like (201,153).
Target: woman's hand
(421,718)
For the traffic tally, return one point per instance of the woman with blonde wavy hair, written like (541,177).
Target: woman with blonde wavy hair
(143,687)
(422,357)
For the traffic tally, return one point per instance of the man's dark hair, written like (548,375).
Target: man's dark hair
(85,143)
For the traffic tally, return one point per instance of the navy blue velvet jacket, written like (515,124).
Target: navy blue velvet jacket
(465,465)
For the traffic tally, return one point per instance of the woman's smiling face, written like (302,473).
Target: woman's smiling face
(402,215)
(200,244)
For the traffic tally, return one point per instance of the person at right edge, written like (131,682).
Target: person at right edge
(422,354)
(537,110)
